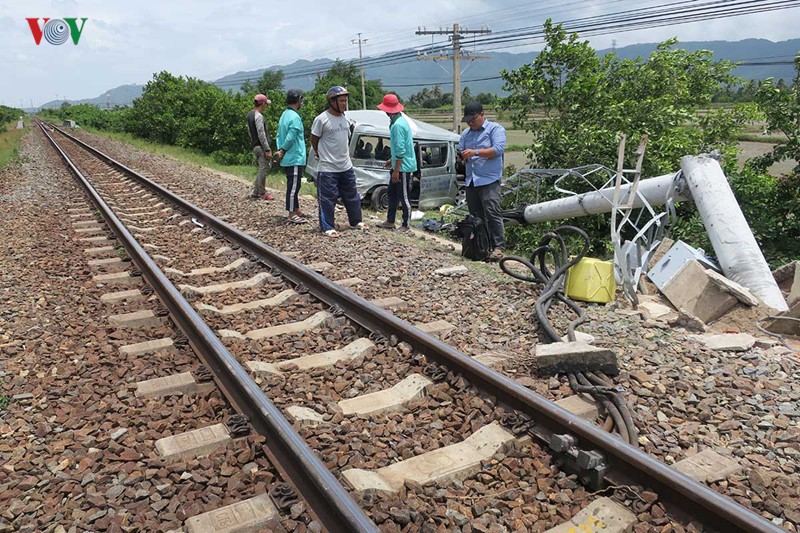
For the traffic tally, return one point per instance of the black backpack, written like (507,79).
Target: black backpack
(475,243)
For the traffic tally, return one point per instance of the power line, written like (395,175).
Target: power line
(624,21)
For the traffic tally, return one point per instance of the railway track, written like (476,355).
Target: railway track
(279,339)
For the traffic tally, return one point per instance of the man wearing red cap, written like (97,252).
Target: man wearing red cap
(403,162)
(259,141)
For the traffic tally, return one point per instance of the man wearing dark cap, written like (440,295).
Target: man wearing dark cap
(481,147)
(259,141)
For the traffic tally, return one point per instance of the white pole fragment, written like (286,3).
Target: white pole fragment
(736,248)
(655,190)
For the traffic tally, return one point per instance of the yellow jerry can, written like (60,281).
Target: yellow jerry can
(591,280)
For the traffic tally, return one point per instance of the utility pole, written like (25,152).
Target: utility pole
(361,62)
(456,34)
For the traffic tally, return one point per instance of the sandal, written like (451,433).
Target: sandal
(332,233)
(359,225)
(496,255)
(296,219)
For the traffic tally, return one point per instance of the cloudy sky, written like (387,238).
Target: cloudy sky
(126,42)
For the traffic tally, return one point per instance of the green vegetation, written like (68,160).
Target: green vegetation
(9,135)
(590,101)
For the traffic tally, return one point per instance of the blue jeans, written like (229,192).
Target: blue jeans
(330,187)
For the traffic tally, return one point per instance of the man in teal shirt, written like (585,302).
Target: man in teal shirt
(292,152)
(402,163)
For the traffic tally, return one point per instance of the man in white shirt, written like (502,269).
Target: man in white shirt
(330,140)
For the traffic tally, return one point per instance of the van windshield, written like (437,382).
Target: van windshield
(371,151)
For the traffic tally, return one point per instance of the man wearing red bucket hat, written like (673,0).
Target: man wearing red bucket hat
(402,163)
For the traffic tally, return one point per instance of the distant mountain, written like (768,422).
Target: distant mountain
(119,96)
(401,78)
(408,78)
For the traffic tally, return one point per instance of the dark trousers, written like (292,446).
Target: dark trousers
(293,176)
(330,187)
(263,168)
(399,192)
(484,202)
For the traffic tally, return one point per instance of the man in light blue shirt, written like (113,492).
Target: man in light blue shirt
(481,147)
(292,152)
(403,162)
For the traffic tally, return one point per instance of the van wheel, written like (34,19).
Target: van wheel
(379,200)
(461,196)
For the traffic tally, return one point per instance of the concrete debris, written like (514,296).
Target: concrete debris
(787,326)
(692,291)
(563,357)
(732,342)
(688,321)
(655,310)
(742,294)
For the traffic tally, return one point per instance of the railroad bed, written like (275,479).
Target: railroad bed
(320,377)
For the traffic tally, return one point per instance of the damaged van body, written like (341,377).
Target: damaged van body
(439,179)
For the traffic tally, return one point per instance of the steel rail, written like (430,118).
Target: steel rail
(683,496)
(289,453)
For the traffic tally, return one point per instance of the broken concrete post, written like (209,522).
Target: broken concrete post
(692,291)
(736,248)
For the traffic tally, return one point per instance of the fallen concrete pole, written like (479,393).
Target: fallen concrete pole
(737,251)
(654,190)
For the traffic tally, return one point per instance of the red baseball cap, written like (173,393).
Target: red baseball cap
(261,99)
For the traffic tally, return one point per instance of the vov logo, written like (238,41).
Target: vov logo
(56,31)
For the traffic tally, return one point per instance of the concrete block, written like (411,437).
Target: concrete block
(493,359)
(580,337)
(655,310)
(439,327)
(95,230)
(209,270)
(362,347)
(580,405)
(730,342)
(349,282)
(303,416)
(138,319)
(453,271)
(193,443)
(392,302)
(223,250)
(708,466)
(602,515)
(293,254)
(786,327)
(308,324)
(279,299)
(256,280)
(116,278)
(559,357)
(112,263)
(248,516)
(391,399)
(122,296)
(451,463)
(152,346)
(85,223)
(77,210)
(794,290)
(99,250)
(97,241)
(692,290)
(183,383)
(320,266)
(740,292)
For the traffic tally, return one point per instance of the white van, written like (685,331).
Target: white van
(439,179)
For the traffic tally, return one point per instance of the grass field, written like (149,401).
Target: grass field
(9,144)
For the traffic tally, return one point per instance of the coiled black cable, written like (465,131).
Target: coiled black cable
(553,246)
